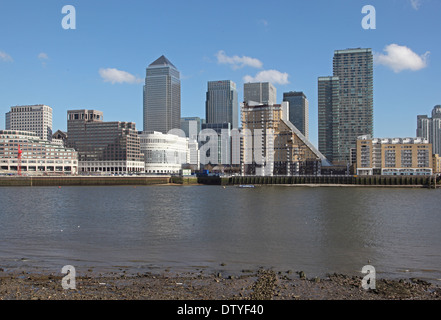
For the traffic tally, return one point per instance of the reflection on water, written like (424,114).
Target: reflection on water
(319,230)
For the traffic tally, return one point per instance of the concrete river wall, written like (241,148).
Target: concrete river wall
(397,181)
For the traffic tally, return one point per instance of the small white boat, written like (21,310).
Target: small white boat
(246,186)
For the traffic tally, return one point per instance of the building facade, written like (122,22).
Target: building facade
(104,147)
(353,68)
(328,117)
(221,104)
(164,153)
(260,92)
(272,145)
(162,96)
(430,128)
(39,156)
(32,118)
(394,156)
(298,111)
(191,127)
(436,163)
(60,137)
(223,149)
(193,158)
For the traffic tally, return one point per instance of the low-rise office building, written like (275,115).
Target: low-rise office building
(38,156)
(164,153)
(393,156)
(104,147)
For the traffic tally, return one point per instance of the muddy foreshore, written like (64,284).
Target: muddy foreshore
(262,284)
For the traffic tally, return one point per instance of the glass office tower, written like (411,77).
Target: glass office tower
(430,128)
(221,105)
(260,92)
(298,111)
(162,96)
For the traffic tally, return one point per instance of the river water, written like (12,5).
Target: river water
(318,230)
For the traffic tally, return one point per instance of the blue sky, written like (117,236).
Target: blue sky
(101,64)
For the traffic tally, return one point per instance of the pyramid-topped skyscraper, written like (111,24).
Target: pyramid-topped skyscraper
(162,96)
(162,61)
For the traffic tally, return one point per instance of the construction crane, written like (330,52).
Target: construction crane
(19,160)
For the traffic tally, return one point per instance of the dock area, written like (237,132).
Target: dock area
(379,181)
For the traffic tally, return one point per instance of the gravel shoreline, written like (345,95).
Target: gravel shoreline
(262,284)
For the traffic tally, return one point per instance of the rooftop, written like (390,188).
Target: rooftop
(162,61)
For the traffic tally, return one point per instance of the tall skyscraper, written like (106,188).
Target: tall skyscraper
(298,111)
(430,128)
(260,92)
(162,96)
(34,118)
(353,68)
(328,117)
(221,105)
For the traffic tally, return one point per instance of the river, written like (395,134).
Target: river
(318,230)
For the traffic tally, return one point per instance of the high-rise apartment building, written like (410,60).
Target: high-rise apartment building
(298,111)
(272,145)
(430,128)
(328,117)
(221,104)
(162,96)
(108,147)
(353,68)
(260,92)
(32,118)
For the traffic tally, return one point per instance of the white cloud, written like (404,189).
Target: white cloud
(264,22)
(416,4)
(273,76)
(118,76)
(5,57)
(43,56)
(238,62)
(400,58)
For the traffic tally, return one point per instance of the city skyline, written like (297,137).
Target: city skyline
(84,68)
